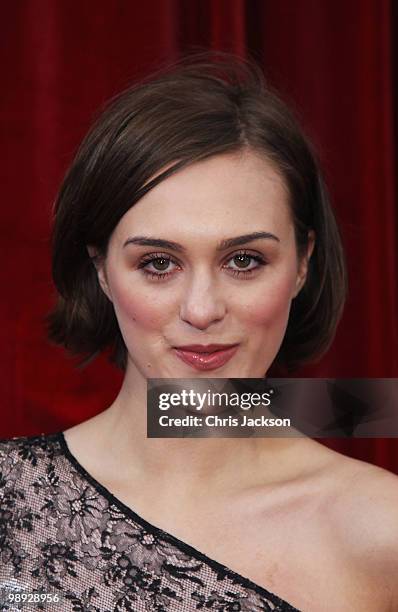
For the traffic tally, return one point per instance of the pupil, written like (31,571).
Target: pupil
(242,259)
(163,263)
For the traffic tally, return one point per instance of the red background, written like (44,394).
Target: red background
(333,61)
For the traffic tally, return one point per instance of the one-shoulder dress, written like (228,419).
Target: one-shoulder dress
(67,544)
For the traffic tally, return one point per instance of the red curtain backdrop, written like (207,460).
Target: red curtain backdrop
(62,59)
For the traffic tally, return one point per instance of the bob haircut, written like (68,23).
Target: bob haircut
(206,104)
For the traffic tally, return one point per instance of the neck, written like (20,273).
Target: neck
(188,464)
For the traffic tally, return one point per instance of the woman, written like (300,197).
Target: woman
(193,220)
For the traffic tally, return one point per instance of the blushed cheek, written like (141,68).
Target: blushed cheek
(139,309)
(269,309)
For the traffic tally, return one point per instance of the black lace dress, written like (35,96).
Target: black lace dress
(67,544)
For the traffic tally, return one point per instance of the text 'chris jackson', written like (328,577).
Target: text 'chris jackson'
(216,421)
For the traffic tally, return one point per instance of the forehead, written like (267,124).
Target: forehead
(225,195)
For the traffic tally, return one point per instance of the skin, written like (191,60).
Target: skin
(202,301)
(275,486)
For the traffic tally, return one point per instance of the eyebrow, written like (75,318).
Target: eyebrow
(222,246)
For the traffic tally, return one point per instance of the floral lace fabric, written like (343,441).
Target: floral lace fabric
(62,532)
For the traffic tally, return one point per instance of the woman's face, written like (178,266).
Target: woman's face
(197,287)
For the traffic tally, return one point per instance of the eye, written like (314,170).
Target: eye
(158,265)
(245,263)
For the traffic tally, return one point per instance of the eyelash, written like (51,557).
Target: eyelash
(162,275)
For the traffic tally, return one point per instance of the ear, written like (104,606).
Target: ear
(98,261)
(303,264)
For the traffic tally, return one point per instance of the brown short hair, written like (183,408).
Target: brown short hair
(204,105)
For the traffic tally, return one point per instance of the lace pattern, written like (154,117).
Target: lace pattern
(62,532)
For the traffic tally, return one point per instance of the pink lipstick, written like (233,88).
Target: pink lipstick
(206,357)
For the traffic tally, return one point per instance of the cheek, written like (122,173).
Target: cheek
(136,309)
(269,307)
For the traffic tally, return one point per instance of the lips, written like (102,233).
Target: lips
(206,357)
(204,348)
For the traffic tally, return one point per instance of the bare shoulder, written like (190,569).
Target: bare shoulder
(364,514)
(366,499)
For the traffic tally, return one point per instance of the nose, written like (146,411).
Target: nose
(202,303)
